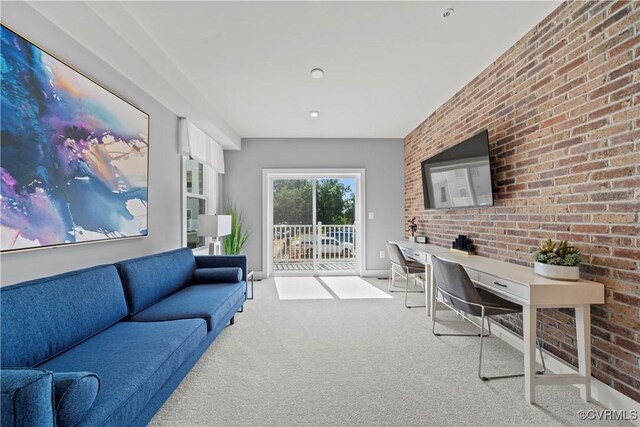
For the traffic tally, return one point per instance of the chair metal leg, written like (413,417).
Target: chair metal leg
(433,322)
(497,377)
(544,366)
(433,329)
(481,341)
(406,292)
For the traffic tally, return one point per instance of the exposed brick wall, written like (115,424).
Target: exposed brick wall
(563,111)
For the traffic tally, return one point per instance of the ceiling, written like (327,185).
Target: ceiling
(241,69)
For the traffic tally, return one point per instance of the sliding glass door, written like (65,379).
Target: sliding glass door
(312,224)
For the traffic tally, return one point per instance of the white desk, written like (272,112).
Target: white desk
(521,285)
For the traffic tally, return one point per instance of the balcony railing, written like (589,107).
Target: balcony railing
(303,243)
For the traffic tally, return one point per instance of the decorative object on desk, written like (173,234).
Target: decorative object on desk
(462,244)
(75,156)
(235,241)
(214,226)
(412,228)
(421,239)
(557,260)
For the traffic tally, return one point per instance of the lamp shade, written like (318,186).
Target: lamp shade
(214,225)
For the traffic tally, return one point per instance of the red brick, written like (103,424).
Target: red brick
(626,69)
(589,166)
(633,254)
(628,344)
(589,228)
(625,92)
(630,230)
(571,65)
(612,173)
(608,110)
(617,263)
(611,196)
(590,126)
(611,87)
(612,19)
(628,45)
(614,218)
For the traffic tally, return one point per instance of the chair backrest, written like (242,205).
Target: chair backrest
(395,254)
(453,279)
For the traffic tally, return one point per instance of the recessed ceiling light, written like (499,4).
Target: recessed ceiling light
(317,73)
(447,13)
(314,113)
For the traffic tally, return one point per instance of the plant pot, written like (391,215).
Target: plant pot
(560,272)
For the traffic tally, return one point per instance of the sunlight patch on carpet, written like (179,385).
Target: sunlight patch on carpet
(300,288)
(352,287)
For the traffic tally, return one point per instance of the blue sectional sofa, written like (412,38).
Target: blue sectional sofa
(106,346)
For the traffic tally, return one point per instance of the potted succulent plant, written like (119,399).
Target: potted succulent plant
(557,260)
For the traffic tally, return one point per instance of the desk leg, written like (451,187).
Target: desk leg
(583,332)
(434,292)
(529,332)
(428,280)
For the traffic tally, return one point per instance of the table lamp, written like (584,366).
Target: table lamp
(214,226)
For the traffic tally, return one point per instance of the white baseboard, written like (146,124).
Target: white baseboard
(602,393)
(376,273)
(259,275)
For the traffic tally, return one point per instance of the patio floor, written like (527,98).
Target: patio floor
(308,266)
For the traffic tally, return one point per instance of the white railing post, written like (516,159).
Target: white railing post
(309,245)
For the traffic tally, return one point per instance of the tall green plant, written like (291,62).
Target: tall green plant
(234,242)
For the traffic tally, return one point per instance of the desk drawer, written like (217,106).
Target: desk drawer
(503,285)
(473,274)
(418,256)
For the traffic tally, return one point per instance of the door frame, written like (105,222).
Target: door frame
(269,175)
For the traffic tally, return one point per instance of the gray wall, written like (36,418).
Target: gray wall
(165,180)
(381,158)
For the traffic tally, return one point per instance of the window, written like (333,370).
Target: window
(202,165)
(196,201)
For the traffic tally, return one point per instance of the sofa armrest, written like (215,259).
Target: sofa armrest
(27,397)
(214,261)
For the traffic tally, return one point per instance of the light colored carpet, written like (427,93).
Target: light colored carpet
(363,362)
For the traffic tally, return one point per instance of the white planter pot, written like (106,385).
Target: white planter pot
(560,272)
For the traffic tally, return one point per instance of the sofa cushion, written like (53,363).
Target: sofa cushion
(209,302)
(133,361)
(27,397)
(151,278)
(44,317)
(217,275)
(215,261)
(74,392)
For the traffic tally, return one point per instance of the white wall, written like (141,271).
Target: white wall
(381,158)
(165,179)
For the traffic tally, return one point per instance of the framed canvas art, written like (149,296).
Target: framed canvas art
(74,156)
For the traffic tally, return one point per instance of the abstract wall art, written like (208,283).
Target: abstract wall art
(74,156)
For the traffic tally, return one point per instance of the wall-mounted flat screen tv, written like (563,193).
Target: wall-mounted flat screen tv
(459,177)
